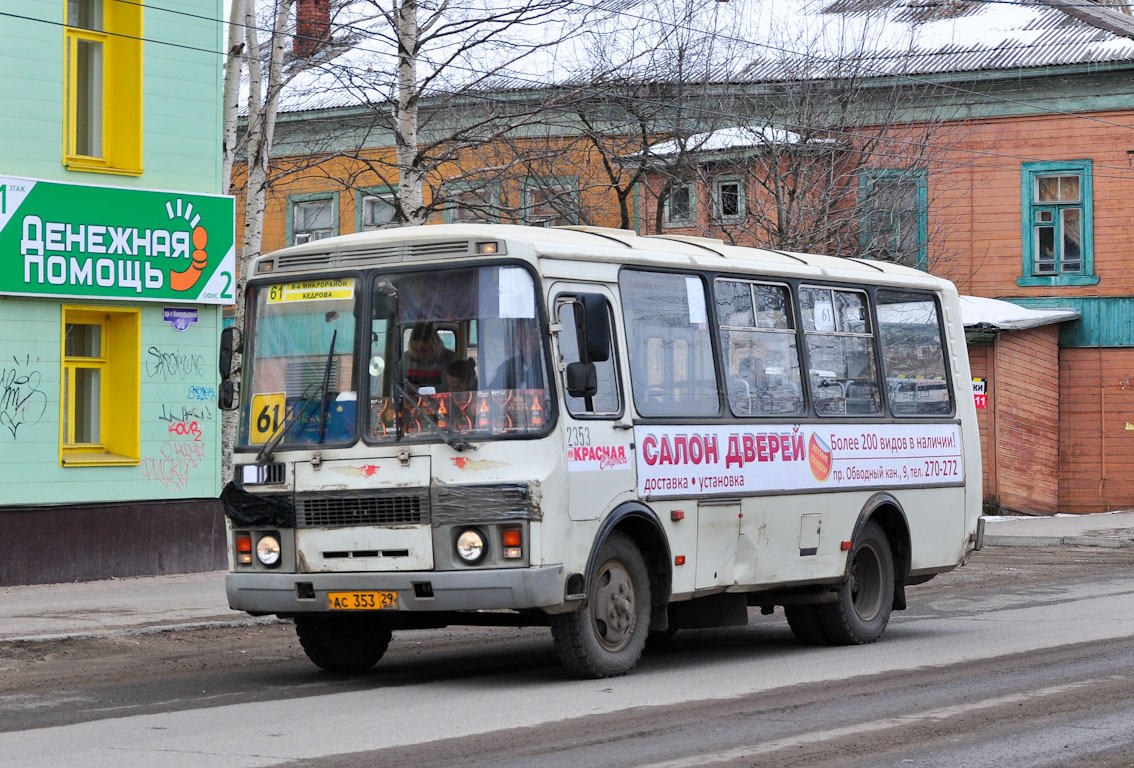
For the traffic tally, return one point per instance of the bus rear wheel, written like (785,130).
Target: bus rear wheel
(865,600)
(606,636)
(804,623)
(343,643)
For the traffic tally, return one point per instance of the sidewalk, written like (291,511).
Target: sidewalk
(1111,529)
(195,600)
(117,606)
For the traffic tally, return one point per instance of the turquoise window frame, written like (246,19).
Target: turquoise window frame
(1028,173)
(530,183)
(459,187)
(312,197)
(868,180)
(383,190)
(742,200)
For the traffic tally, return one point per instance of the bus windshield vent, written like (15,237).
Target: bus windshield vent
(302,260)
(455,247)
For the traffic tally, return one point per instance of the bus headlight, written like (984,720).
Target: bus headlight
(268,550)
(470,545)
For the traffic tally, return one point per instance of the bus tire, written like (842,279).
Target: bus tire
(805,625)
(350,644)
(658,639)
(606,636)
(865,600)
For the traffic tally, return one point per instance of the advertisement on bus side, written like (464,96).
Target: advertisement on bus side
(690,460)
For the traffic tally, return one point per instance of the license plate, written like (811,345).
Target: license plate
(362,601)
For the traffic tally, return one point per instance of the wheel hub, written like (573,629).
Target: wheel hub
(613,607)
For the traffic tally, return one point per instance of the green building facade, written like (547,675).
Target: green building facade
(116,257)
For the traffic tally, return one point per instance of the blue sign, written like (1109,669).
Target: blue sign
(179,318)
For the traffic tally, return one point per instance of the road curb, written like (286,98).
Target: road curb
(150,629)
(1111,542)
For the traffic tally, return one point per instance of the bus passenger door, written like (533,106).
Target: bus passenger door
(598,445)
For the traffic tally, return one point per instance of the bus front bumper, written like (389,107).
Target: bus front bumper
(306,593)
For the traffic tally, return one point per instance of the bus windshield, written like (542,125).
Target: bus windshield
(301,370)
(449,354)
(456,352)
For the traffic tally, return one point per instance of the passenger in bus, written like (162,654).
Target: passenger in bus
(460,376)
(427,359)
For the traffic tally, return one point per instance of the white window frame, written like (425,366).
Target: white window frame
(691,217)
(741,202)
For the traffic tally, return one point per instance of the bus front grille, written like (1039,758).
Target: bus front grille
(331,510)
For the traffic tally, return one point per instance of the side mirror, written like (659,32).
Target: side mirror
(582,380)
(592,327)
(226,398)
(227,345)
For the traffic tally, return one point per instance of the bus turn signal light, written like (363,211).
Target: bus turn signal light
(244,549)
(511,543)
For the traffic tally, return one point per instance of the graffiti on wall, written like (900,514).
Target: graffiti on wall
(207,394)
(166,364)
(22,402)
(182,451)
(171,414)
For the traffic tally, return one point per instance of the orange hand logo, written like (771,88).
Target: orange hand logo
(183,281)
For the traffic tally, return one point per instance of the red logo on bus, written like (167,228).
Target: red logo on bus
(819,456)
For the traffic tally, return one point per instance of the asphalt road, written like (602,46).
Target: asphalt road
(1023,657)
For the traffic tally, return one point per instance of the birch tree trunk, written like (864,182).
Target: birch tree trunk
(233,68)
(411,181)
(263,103)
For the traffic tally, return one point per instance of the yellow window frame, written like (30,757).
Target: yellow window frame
(72,364)
(119,404)
(121,91)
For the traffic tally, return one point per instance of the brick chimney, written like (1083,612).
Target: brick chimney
(312,26)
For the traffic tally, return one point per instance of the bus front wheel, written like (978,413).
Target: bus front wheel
(606,636)
(343,643)
(864,603)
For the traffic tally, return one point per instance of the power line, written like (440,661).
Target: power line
(151,40)
(887,73)
(720,114)
(761,44)
(627,14)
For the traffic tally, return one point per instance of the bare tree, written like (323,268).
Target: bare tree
(647,78)
(262,100)
(438,82)
(818,152)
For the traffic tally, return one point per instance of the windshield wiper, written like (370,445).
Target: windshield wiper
(265,453)
(450,439)
(323,388)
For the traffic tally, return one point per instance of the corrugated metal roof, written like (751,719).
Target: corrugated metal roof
(958,36)
(760,41)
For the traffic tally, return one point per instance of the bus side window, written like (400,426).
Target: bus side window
(913,355)
(759,348)
(669,347)
(607,401)
(840,351)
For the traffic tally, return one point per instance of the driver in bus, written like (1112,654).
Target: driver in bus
(524,370)
(425,363)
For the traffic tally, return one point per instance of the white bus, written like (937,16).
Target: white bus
(612,435)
